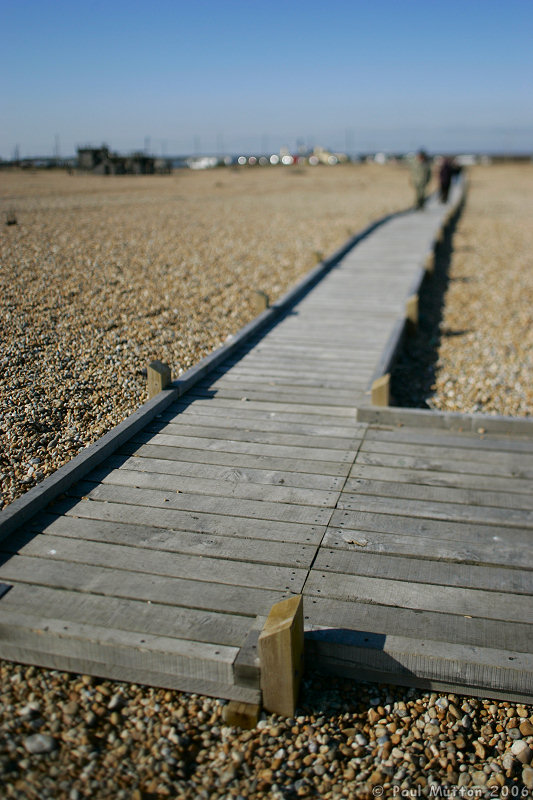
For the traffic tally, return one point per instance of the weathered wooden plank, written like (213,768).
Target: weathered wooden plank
(428,570)
(420,596)
(193,521)
(232,475)
(301,409)
(262,422)
(22,640)
(247,433)
(200,544)
(441,494)
(144,479)
(443,438)
(301,452)
(440,464)
(232,409)
(237,572)
(459,512)
(514,486)
(307,364)
(470,551)
(331,399)
(319,380)
(408,660)
(489,535)
(128,615)
(514,463)
(200,659)
(92,576)
(237,461)
(282,512)
(373,618)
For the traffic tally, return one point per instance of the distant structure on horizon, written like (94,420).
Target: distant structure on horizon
(101,161)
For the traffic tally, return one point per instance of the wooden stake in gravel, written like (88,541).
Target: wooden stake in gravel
(281,652)
(158,377)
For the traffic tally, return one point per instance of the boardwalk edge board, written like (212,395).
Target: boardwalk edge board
(35,499)
(447,420)
(419,662)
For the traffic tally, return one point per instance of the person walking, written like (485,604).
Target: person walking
(420,176)
(446,172)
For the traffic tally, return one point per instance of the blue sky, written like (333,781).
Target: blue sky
(226,75)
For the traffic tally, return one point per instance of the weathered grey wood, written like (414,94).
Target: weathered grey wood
(440,463)
(230,409)
(447,420)
(221,488)
(259,423)
(193,521)
(515,463)
(156,661)
(206,661)
(420,596)
(178,592)
(292,382)
(205,443)
(233,476)
(476,497)
(459,550)
(283,512)
(236,460)
(344,399)
(129,558)
(428,571)
(200,544)
(459,512)
(425,660)
(250,434)
(300,410)
(132,615)
(489,535)
(374,618)
(511,486)
(444,438)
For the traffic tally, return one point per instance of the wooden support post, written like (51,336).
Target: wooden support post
(261,301)
(158,377)
(281,651)
(241,715)
(411,313)
(381,391)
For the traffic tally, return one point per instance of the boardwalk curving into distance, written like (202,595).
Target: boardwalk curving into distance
(408,534)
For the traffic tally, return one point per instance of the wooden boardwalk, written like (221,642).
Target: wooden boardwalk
(412,545)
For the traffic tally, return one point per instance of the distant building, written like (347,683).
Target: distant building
(101,161)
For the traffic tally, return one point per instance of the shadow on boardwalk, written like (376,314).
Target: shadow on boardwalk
(413,374)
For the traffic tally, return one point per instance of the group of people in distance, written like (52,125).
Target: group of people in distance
(421,176)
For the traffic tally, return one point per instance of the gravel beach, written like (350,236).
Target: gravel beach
(485,356)
(100,276)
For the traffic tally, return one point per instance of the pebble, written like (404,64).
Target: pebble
(173,744)
(522,751)
(39,743)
